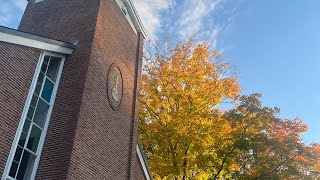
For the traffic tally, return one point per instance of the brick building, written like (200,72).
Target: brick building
(69,83)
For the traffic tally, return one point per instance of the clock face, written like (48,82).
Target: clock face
(115,86)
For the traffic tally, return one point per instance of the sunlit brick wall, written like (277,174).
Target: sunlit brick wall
(17,67)
(86,138)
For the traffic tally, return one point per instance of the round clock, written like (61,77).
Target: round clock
(115,86)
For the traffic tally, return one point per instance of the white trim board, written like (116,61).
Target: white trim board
(143,163)
(126,14)
(14,39)
(135,17)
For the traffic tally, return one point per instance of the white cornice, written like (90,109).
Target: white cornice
(21,38)
(135,17)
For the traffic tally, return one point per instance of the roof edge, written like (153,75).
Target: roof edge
(136,18)
(26,39)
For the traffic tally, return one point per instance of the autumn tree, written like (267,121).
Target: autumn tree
(181,84)
(186,136)
(265,146)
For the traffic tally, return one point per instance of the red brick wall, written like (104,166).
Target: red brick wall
(17,67)
(66,20)
(86,138)
(103,135)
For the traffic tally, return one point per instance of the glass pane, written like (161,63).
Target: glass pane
(22,139)
(47,90)
(26,126)
(34,139)
(46,59)
(13,169)
(34,100)
(44,67)
(40,78)
(38,88)
(30,112)
(53,68)
(18,153)
(41,113)
(26,166)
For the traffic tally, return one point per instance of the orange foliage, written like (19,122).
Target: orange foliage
(186,136)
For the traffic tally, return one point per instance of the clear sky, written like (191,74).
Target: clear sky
(275,44)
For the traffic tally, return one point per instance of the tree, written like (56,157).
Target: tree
(186,136)
(181,85)
(269,147)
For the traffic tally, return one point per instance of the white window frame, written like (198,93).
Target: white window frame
(24,115)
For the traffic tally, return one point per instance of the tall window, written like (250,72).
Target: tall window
(30,139)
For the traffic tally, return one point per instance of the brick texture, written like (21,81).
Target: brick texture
(17,67)
(86,138)
(66,20)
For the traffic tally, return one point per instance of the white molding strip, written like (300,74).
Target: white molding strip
(14,39)
(126,14)
(143,163)
(135,17)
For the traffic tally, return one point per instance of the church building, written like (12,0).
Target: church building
(69,90)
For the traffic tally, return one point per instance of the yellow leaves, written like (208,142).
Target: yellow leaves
(231,87)
(185,136)
(234,166)
(180,85)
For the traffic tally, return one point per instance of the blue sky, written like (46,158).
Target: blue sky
(274,44)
